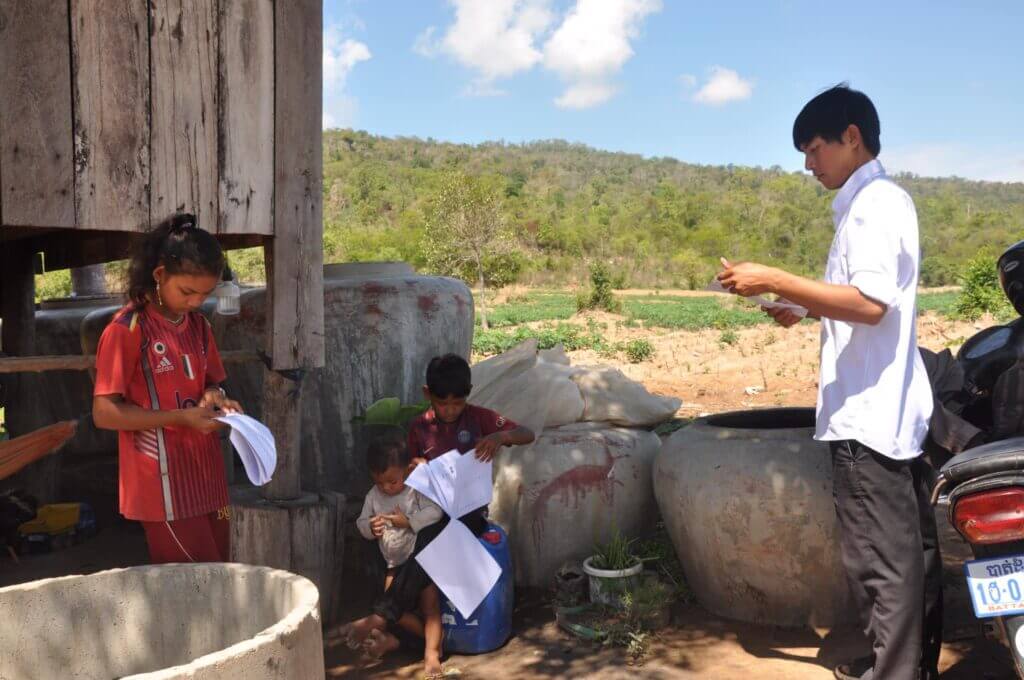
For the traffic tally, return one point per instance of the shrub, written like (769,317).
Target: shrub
(981,291)
(638,350)
(601,295)
(728,337)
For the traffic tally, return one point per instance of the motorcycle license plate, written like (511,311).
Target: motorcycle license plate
(996,585)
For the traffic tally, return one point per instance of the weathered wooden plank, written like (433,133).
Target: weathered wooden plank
(246,121)
(110,63)
(183,151)
(282,398)
(35,114)
(295,334)
(85,362)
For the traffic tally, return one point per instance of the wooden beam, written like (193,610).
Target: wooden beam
(295,328)
(35,114)
(246,117)
(183,152)
(86,362)
(110,62)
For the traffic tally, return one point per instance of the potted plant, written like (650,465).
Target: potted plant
(614,570)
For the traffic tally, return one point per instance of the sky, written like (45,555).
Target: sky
(705,82)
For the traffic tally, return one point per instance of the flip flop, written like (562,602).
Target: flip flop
(450,672)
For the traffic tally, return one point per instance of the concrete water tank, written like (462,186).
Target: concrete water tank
(202,622)
(382,325)
(747,501)
(573,488)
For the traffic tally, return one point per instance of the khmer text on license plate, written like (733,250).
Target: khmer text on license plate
(996,585)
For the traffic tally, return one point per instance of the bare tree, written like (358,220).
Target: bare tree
(465,226)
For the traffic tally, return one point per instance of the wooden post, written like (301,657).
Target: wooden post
(280,525)
(17,308)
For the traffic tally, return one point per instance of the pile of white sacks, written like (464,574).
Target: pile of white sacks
(589,472)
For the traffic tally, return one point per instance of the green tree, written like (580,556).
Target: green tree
(465,227)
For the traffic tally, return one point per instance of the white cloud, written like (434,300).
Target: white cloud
(948,160)
(724,86)
(341,55)
(592,45)
(495,39)
(584,95)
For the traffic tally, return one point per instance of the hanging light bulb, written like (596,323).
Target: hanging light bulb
(228,294)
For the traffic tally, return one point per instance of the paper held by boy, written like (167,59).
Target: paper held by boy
(255,446)
(456,562)
(716,287)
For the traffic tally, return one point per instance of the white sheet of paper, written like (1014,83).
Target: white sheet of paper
(473,482)
(255,446)
(716,287)
(461,567)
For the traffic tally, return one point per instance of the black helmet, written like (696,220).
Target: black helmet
(1011,275)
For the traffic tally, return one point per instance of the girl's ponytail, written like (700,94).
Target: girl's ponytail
(180,246)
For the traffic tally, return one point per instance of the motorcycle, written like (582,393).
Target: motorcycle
(984,484)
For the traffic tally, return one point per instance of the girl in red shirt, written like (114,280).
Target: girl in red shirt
(157,383)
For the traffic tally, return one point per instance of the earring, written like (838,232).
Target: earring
(158,298)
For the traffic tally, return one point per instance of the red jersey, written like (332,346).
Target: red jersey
(167,473)
(430,437)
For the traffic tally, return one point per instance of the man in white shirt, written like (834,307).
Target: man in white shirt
(874,398)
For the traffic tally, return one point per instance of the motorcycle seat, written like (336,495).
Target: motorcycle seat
(1002,456)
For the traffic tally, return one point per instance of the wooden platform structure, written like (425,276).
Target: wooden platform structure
(115,115)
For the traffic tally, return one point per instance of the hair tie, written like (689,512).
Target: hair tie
(183,223)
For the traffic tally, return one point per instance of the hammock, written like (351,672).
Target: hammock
(21,451)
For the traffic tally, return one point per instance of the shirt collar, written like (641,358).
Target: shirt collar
(858,180)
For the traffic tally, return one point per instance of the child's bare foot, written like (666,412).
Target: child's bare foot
(377,644)
(355,633)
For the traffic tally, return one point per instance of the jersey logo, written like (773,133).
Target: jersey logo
(500,422)
(464,436)
(163,366)
(159,347)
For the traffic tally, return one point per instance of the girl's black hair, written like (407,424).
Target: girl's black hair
(387,449)
(181,247)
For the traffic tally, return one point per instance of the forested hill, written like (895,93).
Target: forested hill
(656,221)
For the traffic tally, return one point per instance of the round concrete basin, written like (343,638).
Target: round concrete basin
(747,500)
(203,622)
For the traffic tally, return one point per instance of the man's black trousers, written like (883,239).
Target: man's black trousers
(890,550)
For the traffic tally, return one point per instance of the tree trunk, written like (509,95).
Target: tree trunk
(483,293)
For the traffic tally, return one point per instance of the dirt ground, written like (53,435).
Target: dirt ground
(764,366)
(695,645)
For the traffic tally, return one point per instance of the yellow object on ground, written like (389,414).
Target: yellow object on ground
(52,519)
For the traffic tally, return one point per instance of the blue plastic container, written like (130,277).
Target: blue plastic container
(490,625)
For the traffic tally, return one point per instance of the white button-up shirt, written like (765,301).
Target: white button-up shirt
(872,386)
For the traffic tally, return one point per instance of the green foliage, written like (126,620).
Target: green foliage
(728,337)
(600,295)
(943,303)
(391,411)
(534,306)
(615,554)
(571,336)
(54,284)
(981,291)
(638,350)
(655,221)
(690,313)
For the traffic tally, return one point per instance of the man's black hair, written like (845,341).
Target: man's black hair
(387,449)
(449,376)
(831,112)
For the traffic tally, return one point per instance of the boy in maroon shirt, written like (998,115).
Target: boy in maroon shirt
(451,423)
